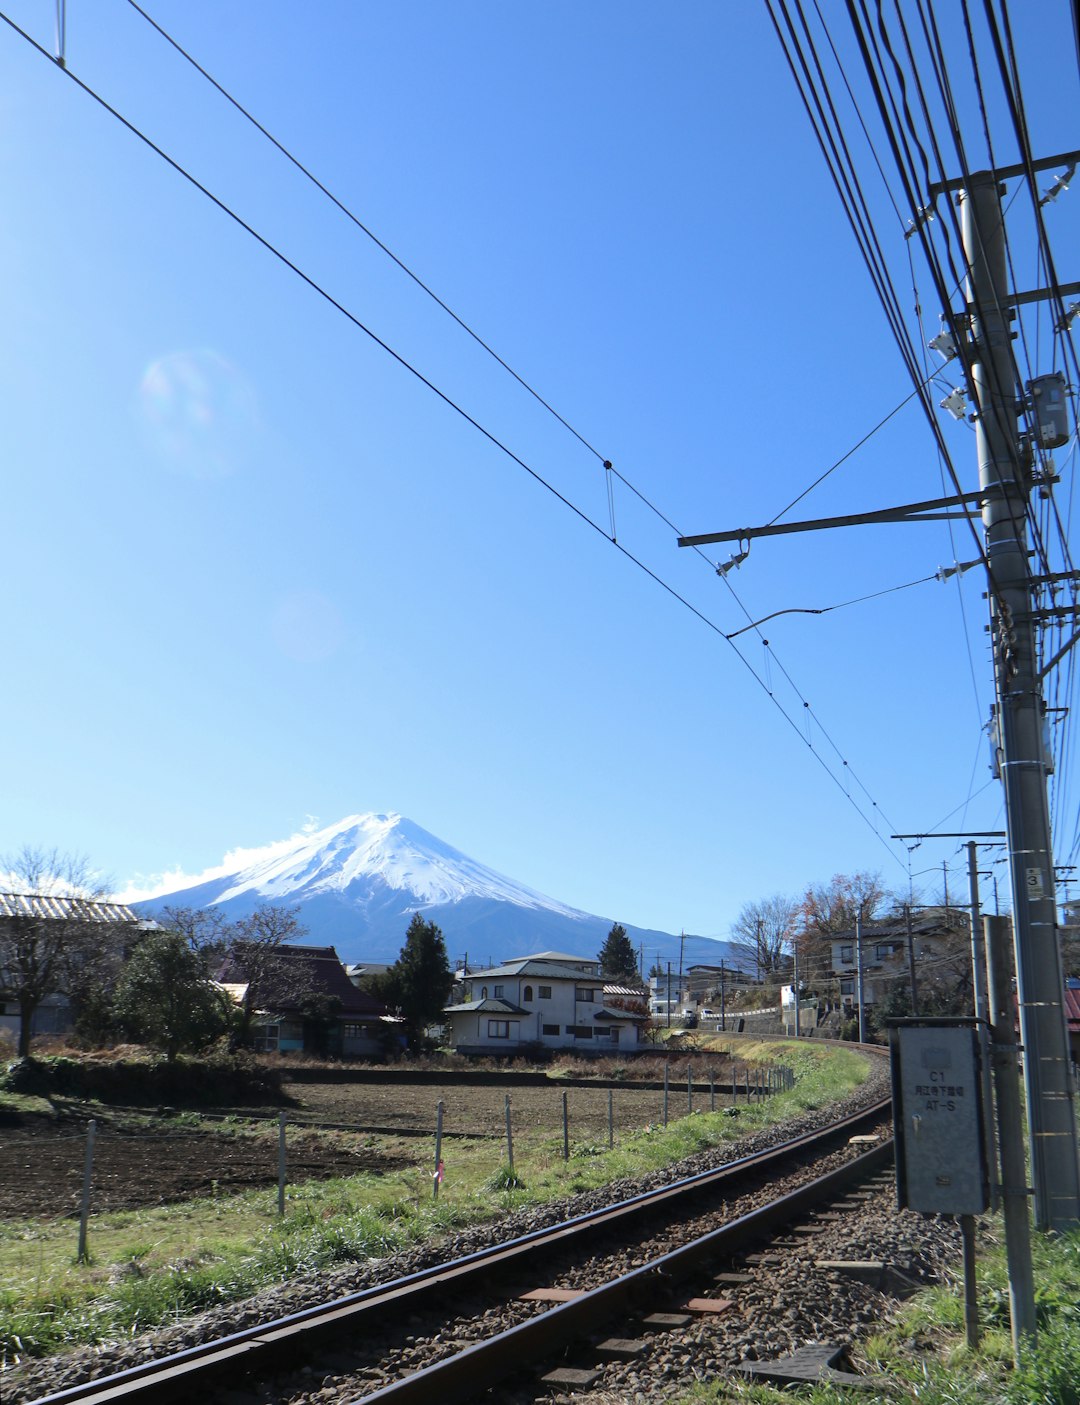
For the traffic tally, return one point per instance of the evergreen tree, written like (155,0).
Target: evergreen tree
(420,980)
(617,957)
(164,997)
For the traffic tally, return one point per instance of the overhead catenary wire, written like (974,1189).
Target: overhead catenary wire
(608,467)
(365,229)
(458,409)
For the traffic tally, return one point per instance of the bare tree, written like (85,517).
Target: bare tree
(763,931)
(829,908)
(207,930)
(258,960)
(56,930)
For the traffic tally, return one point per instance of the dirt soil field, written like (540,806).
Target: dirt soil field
(481,1111)
(41,1160)
(41,1166)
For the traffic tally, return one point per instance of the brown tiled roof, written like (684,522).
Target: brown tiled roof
(318,968)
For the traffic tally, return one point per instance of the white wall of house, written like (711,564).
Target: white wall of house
(556,1010)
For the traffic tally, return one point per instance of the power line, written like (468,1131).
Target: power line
(349,214)
(457,408)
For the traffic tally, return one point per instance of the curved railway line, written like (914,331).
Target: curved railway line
(461,1327)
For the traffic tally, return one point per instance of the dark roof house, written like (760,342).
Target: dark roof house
(306,1001)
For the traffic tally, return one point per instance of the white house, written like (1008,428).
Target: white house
(550,1000)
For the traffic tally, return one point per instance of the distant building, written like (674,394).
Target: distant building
(550,1000)
(937,934)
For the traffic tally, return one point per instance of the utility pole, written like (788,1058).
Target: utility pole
(913,985)
(1020,711)
(1004,1058)
(795,983)
(978,945)
(858,968)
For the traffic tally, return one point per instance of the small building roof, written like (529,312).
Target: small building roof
(485,1007)
(318,970)
(538,967)
(57,909)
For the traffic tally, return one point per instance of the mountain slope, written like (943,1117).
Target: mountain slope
(358,882)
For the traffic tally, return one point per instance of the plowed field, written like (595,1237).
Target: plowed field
(154,1162)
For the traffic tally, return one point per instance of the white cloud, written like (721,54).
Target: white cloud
(142,886)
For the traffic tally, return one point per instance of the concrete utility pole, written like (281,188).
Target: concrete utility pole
(1010,1136)
(1020,714)
(978,945)
(858,968)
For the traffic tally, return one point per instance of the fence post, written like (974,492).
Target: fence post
(88,1171)
(712,1090)
(437,1177)
(689,1087)
(565,1129)
(509,1137)
(665,1093)
(281,1164)
(610,1118)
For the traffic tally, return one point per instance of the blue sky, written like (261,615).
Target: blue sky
(256,572)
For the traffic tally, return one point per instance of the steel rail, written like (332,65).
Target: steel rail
(479,1367)
(180,1374)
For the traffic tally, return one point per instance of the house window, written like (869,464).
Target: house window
(886,949)
(582,1031)
(612,1034)
(498,992)
(550,1028)
(483,992)
(355,1031)
(544,992)
(266,1039)
(847,987)
(498,1029)
(585,995)
(847,954)
(526,995)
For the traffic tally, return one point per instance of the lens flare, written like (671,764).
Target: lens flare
(199,412)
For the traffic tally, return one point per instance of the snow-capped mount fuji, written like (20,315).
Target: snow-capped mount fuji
(358,882)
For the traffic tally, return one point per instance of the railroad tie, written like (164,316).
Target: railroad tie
(704,1306)
(621,1349)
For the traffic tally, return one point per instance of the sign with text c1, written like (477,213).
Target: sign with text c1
(941,1151)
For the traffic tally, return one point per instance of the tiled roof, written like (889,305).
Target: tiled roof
(538,969)
(318,969)
(485,1007)
(63,909)
(1072,1010)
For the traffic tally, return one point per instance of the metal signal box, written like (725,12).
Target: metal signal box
(942,1165)
(1050,406)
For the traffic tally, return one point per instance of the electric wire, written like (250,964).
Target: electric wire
(464,414)
(607,464)
(350,215)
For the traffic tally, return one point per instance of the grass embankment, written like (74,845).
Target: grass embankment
(154,1266)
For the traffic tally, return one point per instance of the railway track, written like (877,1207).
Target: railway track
(454,1330)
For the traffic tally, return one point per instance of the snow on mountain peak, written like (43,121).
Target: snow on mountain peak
(389,847)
